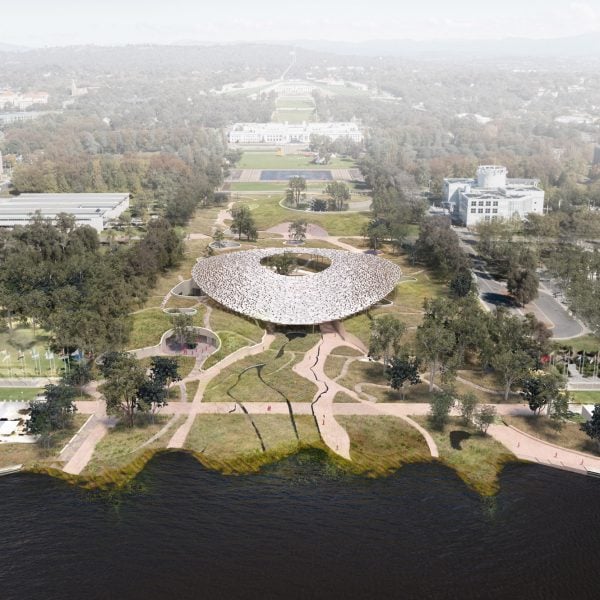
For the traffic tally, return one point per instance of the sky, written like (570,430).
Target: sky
(117,22)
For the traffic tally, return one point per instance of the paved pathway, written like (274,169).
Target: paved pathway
(180,435)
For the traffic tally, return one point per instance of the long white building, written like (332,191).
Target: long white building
(291,133)
(95,210)
(491,195)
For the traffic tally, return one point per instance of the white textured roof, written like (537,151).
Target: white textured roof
(352,283)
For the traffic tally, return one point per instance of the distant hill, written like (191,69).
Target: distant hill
(12,48)
(575,46)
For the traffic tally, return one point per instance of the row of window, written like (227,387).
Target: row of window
(487,210)
(487,203)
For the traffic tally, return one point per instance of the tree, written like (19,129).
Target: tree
(436,341)
(243,222)
(468,405)
(284,263)
(218,237)
(54,413)
(297,185)
(339,194)
(386,337)
(319,205)
(403,371)
(124,376)
(183,328)
(559,409)
(439,408)
(297,230)
(523,285)
(541,388)
(484,416)
(151,395)
(164,370)
(375,231)
(592,427)
(461,284)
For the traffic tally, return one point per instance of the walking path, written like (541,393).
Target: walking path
(180,435)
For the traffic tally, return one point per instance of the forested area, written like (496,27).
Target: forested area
(59,278)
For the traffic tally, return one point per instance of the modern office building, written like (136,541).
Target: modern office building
(95,210)
(491,195)
(292,133)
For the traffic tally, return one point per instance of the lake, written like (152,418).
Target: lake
(300,529)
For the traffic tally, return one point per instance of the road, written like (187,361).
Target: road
(493,293)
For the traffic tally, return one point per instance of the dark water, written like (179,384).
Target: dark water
(300,530)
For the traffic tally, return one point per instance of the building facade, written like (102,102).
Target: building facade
(491,195)
(292,133)
(95,210)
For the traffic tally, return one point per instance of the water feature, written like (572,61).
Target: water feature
(300,529)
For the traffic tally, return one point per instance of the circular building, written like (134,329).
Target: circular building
(350,284)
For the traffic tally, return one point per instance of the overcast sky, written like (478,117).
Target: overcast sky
(66,22)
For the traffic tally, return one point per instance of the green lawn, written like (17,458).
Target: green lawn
(382,444)
(148,327)
(121,446)
(479,460)
(289,102)
(586,397)
(20,394)
(266,186)
(230,443)
(272,160)
(293,116)
(269,213)
(587,343)
(245,385)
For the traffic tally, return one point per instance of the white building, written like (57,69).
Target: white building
(22,101)
(491,196)
(95,210)
(292,133)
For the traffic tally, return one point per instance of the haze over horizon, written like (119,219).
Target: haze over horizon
(37,23)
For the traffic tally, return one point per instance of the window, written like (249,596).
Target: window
(481,203)
(488,203)
(487,210)
(494,210)
(495,202)
(473,210)
(480,210)
(473,203)
(487,218)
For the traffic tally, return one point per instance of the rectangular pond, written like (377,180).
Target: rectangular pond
(286,174)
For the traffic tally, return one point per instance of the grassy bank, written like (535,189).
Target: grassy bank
(477,459)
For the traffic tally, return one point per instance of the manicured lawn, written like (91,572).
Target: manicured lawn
(191,387)
(272,160)
(302,103)
(230,342)
(382,444)
(570,436)
(480,458)
(148,327)
(586,397)
(230,443)
(31,455)
(221,320)
(20,394)
(344,398)
(269,213)
(587,343)
(293,116)
(121,445)
(245,385)
(333,366)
